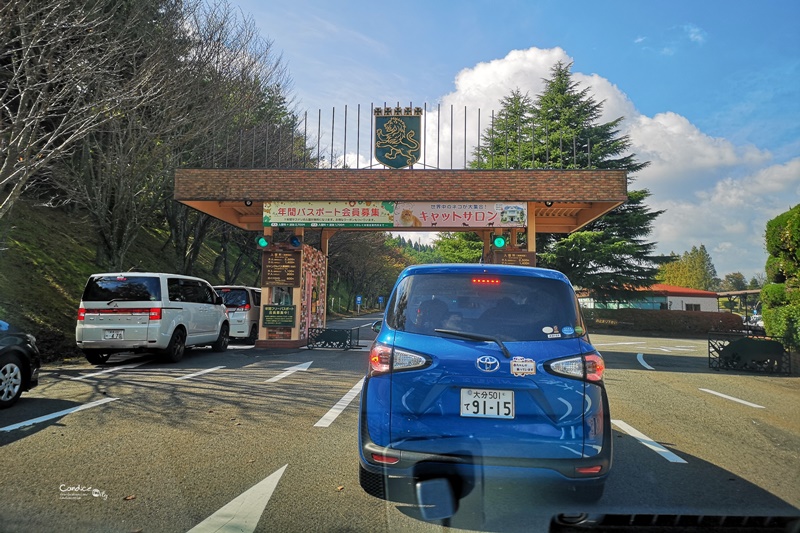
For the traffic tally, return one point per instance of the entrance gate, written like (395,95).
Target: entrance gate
(399,193)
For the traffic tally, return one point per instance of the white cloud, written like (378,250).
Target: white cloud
(729,217)
(681,154)
(695,33)
(715,192)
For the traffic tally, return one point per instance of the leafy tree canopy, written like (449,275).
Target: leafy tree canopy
(694,269)
(560,128)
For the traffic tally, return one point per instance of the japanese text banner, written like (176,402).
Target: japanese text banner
(460,214)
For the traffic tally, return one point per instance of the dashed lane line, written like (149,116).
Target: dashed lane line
(647,441)
(731,398)
(107,371)
(59,414)
(340,406)
(206,371)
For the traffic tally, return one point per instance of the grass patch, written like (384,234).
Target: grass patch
(46,256)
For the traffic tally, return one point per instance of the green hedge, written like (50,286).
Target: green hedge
(781,298)
(782,312)
(655,321)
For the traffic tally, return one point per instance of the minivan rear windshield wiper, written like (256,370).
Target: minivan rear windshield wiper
(476,337)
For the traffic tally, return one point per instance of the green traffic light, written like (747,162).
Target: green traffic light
(262,241)
(500,241)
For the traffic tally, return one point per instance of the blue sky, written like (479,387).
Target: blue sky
(710,90)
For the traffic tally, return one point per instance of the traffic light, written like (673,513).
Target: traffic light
(262,242)
(500,240)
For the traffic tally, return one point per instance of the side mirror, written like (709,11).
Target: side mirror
(376,326)
(219,301)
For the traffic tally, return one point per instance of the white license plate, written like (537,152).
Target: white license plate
(487,403)
(113,334)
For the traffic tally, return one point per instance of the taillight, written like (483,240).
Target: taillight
(379,358)
(245,307)
(595,367)
(589,367)
(153,313)
(382,360)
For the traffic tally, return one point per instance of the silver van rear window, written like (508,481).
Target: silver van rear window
(122,288)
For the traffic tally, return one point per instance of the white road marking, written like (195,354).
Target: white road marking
(243,512)
(57,415)
(647,441)
(107,371)
(289,371)
(733,399)
(340,406)
(669,349)
(206,371)
(618,343)
(640,358)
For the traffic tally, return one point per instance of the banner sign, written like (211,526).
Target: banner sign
(460,214)
(361,214)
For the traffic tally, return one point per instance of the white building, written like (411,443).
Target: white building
(660,296)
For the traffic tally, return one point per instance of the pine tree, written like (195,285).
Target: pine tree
(560,129)
(694,269)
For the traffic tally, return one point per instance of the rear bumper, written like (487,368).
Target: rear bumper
(119,346)
(467,460)
(416,465)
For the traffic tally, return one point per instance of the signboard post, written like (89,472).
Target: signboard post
(358,304)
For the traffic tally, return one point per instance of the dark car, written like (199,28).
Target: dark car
(482,371)
(19,364)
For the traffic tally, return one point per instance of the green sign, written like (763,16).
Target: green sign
(279,316)
(341,214)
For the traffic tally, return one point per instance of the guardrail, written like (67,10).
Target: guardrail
(340,338)
(741,351)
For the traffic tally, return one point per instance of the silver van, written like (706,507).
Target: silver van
(149,312)
(244,310)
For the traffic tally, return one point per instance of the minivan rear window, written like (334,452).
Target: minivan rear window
(233,297)
(511,308)
(122,288)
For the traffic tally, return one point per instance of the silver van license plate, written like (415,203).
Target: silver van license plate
(113,334)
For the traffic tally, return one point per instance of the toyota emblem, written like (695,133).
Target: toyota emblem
(487,363)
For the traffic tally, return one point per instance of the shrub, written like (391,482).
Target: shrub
(673,322)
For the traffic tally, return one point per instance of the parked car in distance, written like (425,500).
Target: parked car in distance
(149,312)
(482,371)
(755,324)
(19,364)
(244,310)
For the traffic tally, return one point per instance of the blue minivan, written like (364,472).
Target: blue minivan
(482,370)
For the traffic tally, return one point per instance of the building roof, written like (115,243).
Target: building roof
(673,290)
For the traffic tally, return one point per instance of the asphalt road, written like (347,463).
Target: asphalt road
(266,441)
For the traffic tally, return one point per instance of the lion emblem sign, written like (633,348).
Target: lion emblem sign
(396,143)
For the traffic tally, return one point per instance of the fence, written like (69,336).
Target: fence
(740,351)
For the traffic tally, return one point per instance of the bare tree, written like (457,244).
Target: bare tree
(61,78)
(364,261)
(240,82)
